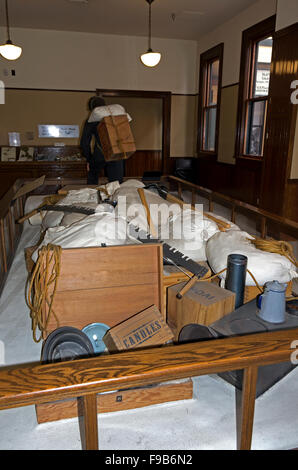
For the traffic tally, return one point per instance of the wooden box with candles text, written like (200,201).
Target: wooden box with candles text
(116,138)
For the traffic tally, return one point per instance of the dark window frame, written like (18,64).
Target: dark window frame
(206,58)
(250,37)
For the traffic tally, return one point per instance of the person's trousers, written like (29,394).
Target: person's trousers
(113,171)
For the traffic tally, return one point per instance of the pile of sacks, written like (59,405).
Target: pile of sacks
(264,266)
(189,231)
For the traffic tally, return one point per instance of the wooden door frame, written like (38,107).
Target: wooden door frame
(165,96)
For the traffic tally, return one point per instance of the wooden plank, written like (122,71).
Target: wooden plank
(30,384)
(152,229)
(118,401)
(28,187)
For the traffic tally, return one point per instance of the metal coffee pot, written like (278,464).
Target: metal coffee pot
(272,303)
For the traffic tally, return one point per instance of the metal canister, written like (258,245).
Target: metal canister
(236,276)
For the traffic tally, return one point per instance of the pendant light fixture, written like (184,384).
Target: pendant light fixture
(9,50)
(150,58)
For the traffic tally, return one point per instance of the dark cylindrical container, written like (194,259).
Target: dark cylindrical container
(236,276)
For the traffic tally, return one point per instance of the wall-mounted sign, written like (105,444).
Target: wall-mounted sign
(58,131)
(8,154)
(262,82)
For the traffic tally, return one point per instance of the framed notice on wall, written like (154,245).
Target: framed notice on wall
(8,154)
(58,131)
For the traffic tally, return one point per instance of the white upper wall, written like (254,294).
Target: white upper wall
(287,13)
(230,33)
(84,61)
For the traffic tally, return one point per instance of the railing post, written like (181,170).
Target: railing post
(263,227)
(87,414)
(193,197)
(245,407)
(233,214)
(2,243)
(180,191)
(211,206)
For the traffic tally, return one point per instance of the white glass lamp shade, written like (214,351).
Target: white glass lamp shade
(150,58)
(10,51)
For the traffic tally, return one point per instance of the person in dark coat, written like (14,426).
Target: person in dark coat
(92,151)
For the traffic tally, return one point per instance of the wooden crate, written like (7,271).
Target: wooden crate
(145,329)
(116,138)
(106,285)
(173,276)
(119,401)
(203,304)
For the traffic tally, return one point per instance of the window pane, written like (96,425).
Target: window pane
(255,127)
(263,58)
(209,129)
(212,91)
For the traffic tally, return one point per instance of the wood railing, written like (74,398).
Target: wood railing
(11,209)
(266,218)
(10,232)
(83,379)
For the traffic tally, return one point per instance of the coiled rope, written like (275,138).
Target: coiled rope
(282,248)
(42,288)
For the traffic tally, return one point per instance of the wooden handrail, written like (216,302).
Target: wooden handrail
(35,383)
(290,225)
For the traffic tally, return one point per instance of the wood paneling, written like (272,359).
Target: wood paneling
(215,175)
(135,166)
(247,181)
(281,121)
(165,96)
(11,171)
(143,160)
(291,200)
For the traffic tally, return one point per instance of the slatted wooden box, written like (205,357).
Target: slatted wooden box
(116,138)
(106,285)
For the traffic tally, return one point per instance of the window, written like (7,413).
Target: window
(209,99)
(257,45)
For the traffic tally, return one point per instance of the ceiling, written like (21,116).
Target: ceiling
(181,19)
